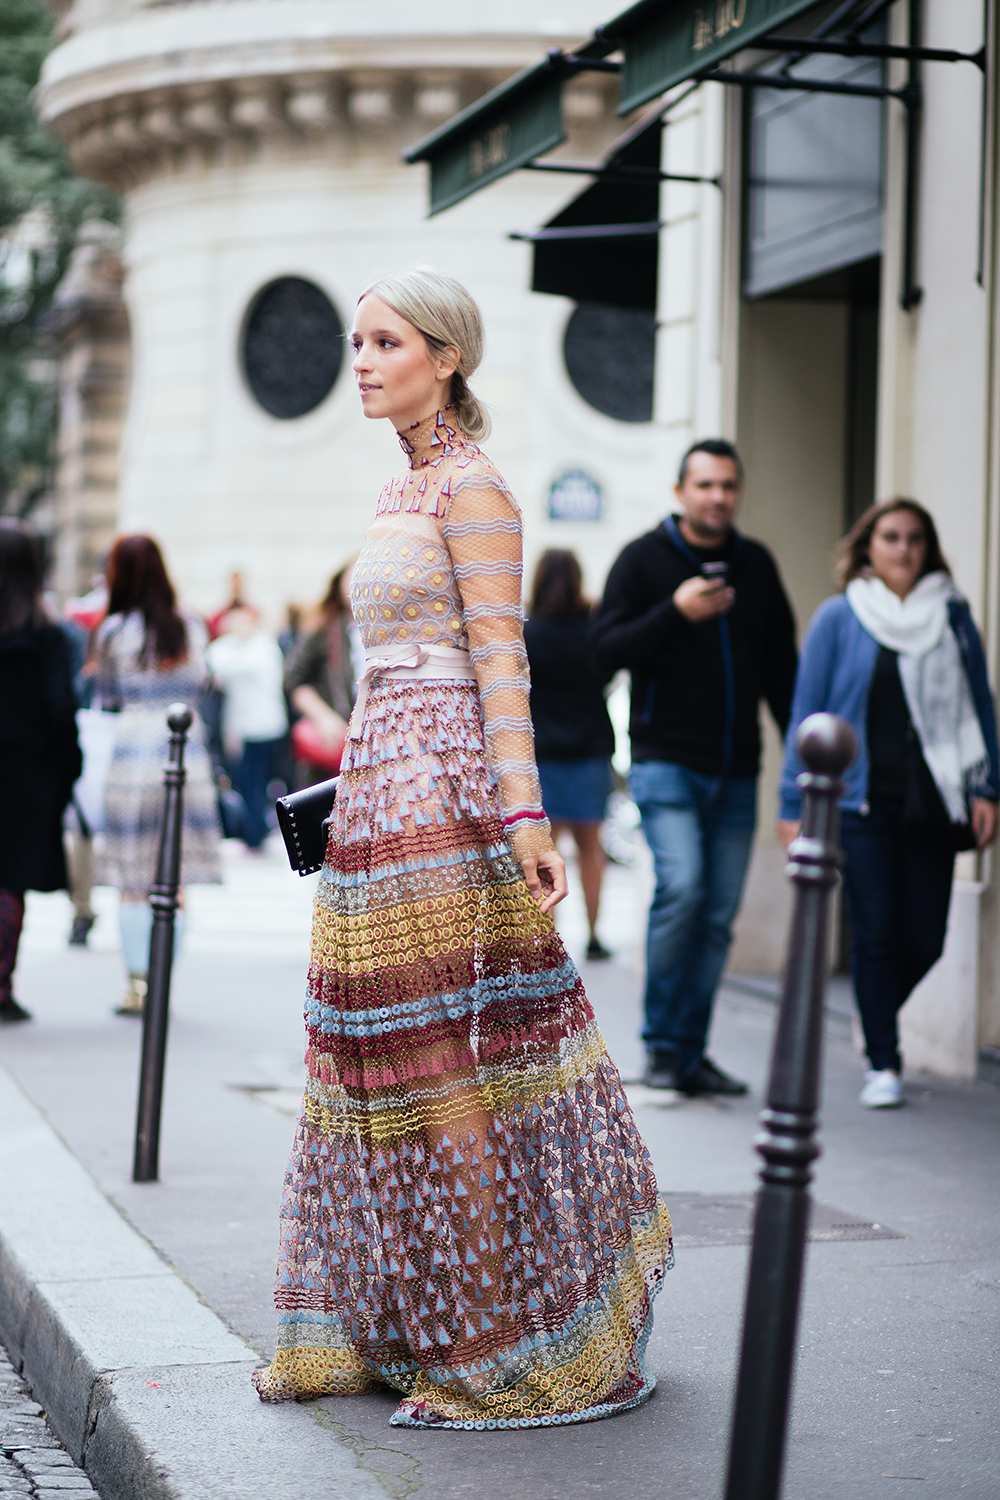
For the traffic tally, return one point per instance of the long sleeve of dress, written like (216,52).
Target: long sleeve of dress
(482,530)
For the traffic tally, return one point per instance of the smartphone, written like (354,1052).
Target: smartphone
(714,570)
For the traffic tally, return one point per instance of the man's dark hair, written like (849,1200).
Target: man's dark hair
(718,448)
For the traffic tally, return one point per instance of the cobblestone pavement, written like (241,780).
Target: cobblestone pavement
(33,1462)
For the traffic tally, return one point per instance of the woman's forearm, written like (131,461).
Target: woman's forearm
(308,702)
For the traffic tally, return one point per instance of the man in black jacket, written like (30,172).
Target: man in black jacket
(697,614)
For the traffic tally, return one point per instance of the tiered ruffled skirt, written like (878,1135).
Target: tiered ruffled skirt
(470,1215)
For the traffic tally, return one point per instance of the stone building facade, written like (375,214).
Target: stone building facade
(89,328)
(259,141)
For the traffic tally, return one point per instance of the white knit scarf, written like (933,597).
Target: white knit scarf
(934,679)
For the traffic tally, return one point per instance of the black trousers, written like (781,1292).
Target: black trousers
(898,886)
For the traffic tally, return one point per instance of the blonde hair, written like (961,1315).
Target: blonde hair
(441,309)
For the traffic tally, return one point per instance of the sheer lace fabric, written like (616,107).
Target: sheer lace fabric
(442,565)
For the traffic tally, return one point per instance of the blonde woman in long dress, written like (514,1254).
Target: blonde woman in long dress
(470,1215)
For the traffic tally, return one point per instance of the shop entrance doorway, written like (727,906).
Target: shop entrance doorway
(806,427)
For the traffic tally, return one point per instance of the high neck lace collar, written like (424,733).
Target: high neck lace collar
(429,441)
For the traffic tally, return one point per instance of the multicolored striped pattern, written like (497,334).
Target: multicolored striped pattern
(469,1215)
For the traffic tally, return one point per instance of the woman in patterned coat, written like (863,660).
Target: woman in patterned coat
(470,1216)
(150,655)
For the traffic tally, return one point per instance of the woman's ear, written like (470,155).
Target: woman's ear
(446,363)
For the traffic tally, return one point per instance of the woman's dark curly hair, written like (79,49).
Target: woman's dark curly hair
(557,587)
(853,553)
(137,580)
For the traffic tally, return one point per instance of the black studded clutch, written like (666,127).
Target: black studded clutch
(304,820)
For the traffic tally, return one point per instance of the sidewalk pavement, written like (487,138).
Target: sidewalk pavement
(139,1311)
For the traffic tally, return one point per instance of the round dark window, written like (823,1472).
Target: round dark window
(610,354)
(292,347)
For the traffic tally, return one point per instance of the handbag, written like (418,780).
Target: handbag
(97,730)
(304,821)
(308,745)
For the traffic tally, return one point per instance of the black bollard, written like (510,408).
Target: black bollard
(827,746)
(163,900)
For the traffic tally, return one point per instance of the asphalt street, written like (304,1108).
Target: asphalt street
(897,1368)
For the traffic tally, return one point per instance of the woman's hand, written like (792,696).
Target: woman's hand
(332,729)
(545,875)
(984,821)
(788,829)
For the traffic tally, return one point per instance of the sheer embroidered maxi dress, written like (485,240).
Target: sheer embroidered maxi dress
(470,1215)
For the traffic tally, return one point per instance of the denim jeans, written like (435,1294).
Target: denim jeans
(898,887)
(700,831)
(253,773)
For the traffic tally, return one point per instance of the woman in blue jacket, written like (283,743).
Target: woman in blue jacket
(898,655)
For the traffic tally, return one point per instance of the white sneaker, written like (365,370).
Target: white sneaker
(882,1090)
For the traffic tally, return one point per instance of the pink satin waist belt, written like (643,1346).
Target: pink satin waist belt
(409,661)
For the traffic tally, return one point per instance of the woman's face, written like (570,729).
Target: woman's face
(398,376)
(897,550)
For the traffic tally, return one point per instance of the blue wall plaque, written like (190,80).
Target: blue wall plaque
(576,496)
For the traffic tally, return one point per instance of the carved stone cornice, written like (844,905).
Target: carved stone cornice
(143,95)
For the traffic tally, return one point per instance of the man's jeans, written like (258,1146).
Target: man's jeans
(700,831)
(255,769)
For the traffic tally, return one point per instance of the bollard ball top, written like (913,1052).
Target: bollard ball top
(827,744)
(179,718)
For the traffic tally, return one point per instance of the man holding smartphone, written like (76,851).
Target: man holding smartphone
(697,613)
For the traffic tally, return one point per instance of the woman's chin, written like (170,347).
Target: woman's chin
(374,405)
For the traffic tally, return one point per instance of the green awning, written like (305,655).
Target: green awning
(667,41)
(663,42)
(505,129)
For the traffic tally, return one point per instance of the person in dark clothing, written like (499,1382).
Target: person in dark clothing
(39,754)
(573,734)
(898,655)
(698,615)
(320,677)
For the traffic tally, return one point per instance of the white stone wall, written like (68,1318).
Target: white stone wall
(231,181)
(226,485)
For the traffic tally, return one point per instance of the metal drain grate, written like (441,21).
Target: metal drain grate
(727,1219)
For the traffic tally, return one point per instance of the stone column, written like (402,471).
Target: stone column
(90,329)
